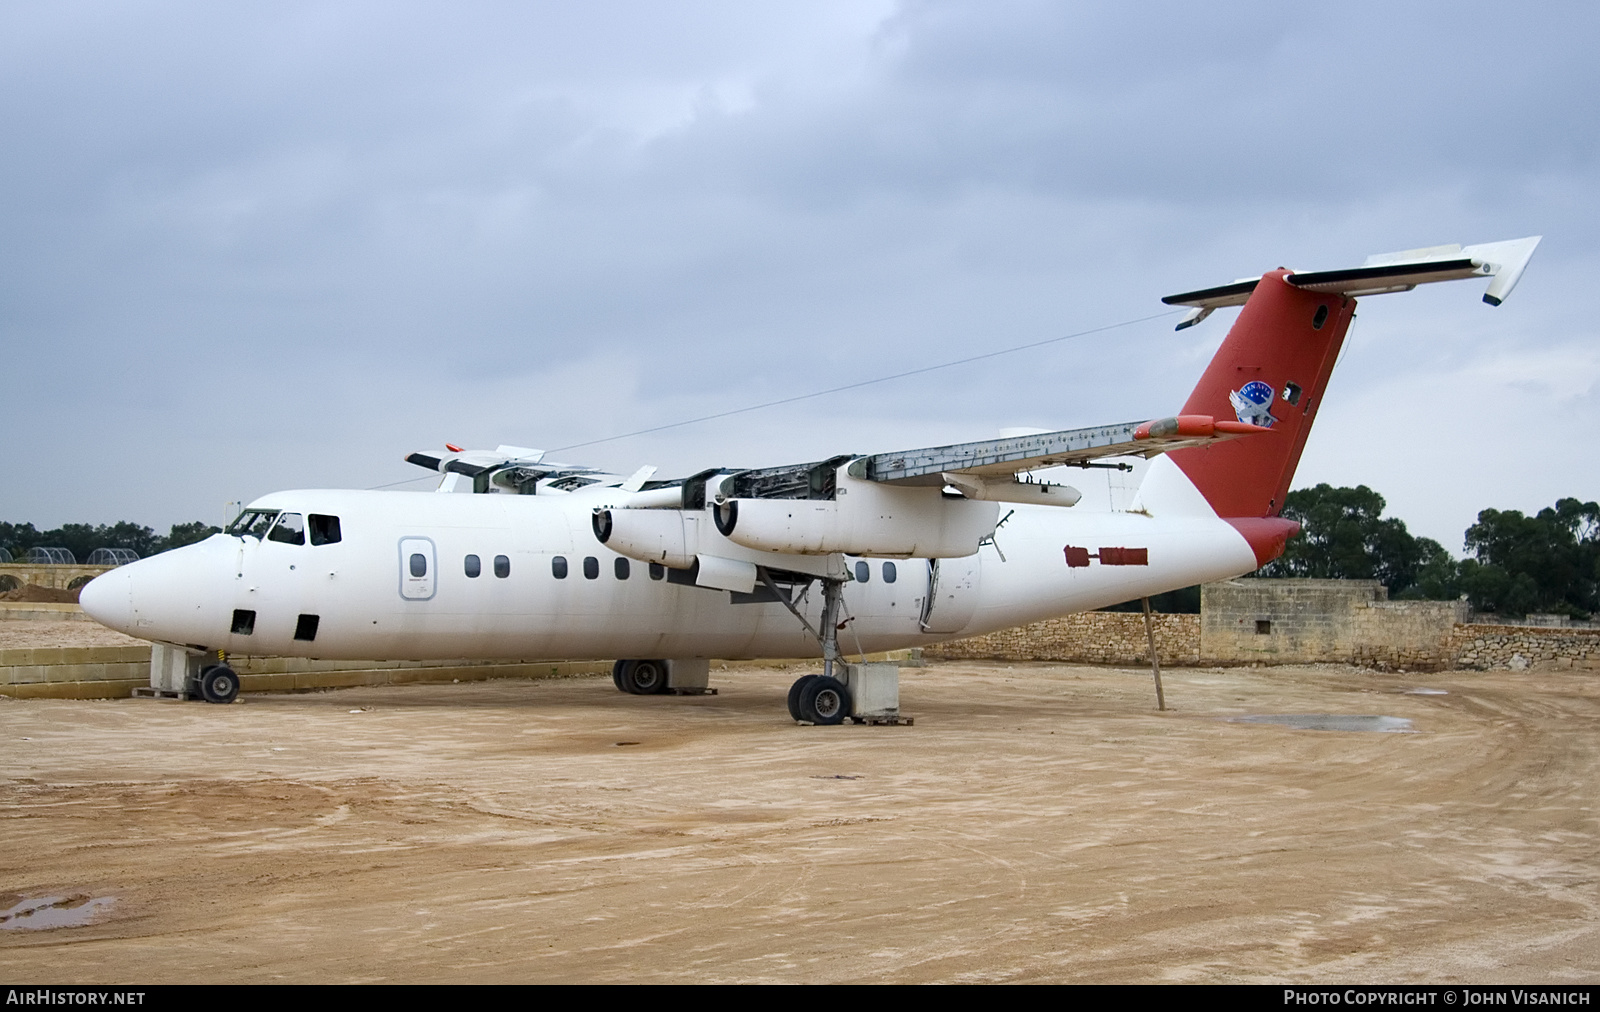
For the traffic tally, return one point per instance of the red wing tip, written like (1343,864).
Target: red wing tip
(453,448)
(1193,427)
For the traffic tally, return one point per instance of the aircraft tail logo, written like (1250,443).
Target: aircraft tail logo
(1251,403)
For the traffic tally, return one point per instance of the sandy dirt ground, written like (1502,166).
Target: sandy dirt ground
(1038,823)
(25,634)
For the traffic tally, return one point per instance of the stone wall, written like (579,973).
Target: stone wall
(1415,635)
(1093,637)
(59,577)
(1305,621)
(1256,621)
(1517,647)
(113,672)
(42,611)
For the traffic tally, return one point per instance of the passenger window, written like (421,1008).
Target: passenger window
(502,566)
(591,568)
(473,566)
(621,568)
(889,574)
(290,529)
(657,571)
(419,564)
(324,529)
(863,572)
(558,567)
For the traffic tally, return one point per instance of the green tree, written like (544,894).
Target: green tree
(1549,562)
(18,538)
(1344,536)
(187,534)
(83,539)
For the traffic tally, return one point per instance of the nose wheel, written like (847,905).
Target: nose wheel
(219,684)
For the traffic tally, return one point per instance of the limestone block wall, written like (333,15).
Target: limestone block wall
(1282,621)
(73,672)
(114,672)
(1416,635)
(1256,621)
(59,577)
(1488,647)
(42,611)
(1094,637)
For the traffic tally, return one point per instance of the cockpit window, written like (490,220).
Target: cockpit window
(324,529)
(290,529)
(253,523)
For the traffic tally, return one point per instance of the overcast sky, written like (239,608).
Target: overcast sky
(255,247)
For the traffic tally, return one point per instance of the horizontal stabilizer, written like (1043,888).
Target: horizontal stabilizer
(1385,272)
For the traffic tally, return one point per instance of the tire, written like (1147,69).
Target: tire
(825,701)
(617,670)
(795,690)
(646,678)
(218,684)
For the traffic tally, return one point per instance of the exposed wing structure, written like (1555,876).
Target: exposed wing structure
(997,458)
(1383,273)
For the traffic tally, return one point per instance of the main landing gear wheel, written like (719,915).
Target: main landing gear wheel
(218,684)
(642,678)
(824,701)
(616,675)
(795,690)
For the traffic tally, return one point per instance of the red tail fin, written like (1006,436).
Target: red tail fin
(1271,370)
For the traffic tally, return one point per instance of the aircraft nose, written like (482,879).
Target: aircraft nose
(108,599)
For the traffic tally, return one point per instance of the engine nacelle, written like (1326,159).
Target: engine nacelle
(866,518)
(665,536)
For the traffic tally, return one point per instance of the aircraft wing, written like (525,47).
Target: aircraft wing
(1002,458)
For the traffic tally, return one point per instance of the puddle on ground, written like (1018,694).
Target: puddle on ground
(1329,722)
(1427,692)
(44,912)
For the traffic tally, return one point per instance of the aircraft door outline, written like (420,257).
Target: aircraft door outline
(952,595)
(418,566)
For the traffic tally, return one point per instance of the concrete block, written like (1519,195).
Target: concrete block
(172,668)
(874,689)
(689,673)
(266,683)
(329,679)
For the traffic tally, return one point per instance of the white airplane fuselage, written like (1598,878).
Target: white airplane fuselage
(710,565)
(368,604)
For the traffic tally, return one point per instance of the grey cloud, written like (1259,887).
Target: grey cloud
(242,232)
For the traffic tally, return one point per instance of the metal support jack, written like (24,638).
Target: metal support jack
(1155,659)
